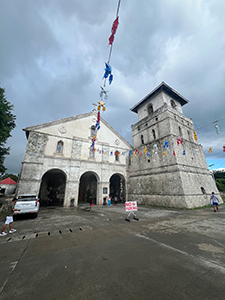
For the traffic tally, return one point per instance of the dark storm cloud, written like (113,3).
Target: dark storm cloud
(53,54)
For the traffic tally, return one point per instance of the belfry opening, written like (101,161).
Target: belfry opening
(52,190)
(87,188)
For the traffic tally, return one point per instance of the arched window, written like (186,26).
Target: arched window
(173,104)
(150,109)
(59,148)
(116,155)
(189,135)
(142,140)
(153,133)
(180,132)
(91,153)
(93,131)
(203,190)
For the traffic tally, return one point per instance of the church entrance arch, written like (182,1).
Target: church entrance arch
(87,188)
(52,190)
(117,187)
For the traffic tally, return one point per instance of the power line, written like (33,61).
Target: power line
(210,124)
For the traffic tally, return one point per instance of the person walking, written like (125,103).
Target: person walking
(9,217)
(215,202)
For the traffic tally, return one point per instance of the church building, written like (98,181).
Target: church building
(61,169)
(165,167)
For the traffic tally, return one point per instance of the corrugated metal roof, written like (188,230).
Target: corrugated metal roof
(8,181)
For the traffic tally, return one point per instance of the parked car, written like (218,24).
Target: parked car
(28,204)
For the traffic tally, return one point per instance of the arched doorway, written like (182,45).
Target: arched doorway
(52,190)
(87,188)
(117,187)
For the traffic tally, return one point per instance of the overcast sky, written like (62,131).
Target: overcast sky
(52,56)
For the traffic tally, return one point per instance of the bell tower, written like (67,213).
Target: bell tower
(167,166)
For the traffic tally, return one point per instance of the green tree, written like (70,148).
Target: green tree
(7,123)
(220,180)
(12,176)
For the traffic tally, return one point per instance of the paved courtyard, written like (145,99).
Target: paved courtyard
(69,253)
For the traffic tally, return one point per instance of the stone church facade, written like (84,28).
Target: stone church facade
(59,166)
(165,167)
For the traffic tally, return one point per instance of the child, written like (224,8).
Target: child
(109,201)
(9,218)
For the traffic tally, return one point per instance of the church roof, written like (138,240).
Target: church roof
(43,125)
(163,87)
(8,181)
(57,122)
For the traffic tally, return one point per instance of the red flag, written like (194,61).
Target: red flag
(115,26)
(113,30)
(111,39)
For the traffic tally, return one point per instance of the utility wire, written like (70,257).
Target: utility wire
(210,124)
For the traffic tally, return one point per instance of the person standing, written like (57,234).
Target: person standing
(115,199)
(109,201)
(215,202)
(91,202)
(9,218)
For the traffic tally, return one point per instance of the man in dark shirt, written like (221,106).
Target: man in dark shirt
(9,217)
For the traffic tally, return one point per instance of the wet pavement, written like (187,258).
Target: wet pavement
(69,253)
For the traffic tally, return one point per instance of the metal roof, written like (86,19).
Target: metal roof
(8,181)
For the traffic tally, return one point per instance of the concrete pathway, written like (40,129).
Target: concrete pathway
(78,254)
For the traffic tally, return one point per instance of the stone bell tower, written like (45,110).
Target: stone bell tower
(167,166)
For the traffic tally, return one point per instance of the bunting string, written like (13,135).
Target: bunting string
(107,75)
(155,150)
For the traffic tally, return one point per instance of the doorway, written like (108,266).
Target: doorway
(52,190)
(117,187)
(87,188)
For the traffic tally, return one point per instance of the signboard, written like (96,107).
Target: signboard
(131,206)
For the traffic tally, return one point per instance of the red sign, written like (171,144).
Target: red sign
(131,206)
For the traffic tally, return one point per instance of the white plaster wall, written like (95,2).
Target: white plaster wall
(9,188)
(167,99)
(156,101)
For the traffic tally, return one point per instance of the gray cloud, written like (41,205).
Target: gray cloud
(53,53)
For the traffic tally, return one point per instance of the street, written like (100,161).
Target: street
(70,253)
